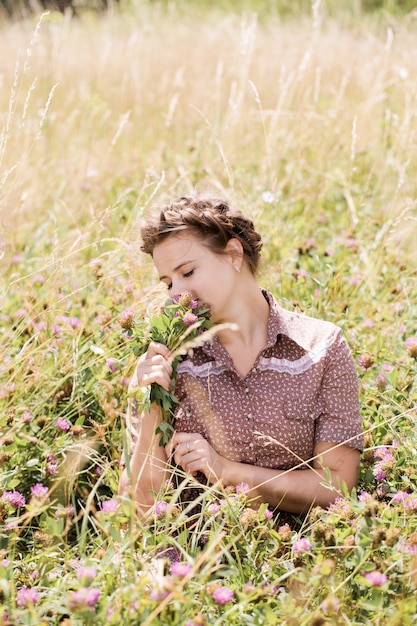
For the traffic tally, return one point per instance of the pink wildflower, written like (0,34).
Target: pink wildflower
(180,569)
(189,319)
(213,507)
(411,347)
(86,574)
(268,514)
(223,595)
(109,506)
(39,491)
(62,424)
(302,546)
(376,578)
(14,498)
(330,605)
(161,508)
(242,488)
(26,596)
(84,598)
(112,365)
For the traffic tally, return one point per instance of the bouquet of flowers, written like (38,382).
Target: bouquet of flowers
(180,325)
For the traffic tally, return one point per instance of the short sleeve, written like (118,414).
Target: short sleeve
(340,420)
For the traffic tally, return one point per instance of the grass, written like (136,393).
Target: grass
(310,125)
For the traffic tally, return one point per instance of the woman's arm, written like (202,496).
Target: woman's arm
(145,460)
(295,491)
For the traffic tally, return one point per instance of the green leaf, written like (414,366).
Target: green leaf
(32,462)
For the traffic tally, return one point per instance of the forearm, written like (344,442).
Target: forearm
(146,463)
(294,491)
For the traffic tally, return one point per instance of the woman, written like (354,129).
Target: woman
(273,404)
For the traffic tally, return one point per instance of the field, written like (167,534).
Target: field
(309,123)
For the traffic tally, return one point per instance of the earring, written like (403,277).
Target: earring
(237,269)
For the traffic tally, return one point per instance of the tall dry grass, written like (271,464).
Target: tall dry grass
(93,108)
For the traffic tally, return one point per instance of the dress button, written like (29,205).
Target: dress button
(249,416)
(251,445)
(247,390)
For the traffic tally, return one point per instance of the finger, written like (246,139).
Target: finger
(158,348)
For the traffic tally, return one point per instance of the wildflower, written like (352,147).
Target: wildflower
(51,469)
(39,279)
(284,532)
(5,563)
(180,569)
(84,598)
(381,382)
(39,491)
(112,365)
(376,578)
(242,488)
(26,596)
(330,605)
(73,322)
(86,574)
(223,595)
(189,319)
(127,319)
(14,498)
(411,347)
(62,424)
(213,507)
(161,508)
(185,299)
(302,546)
(268,514)
(109,506)
(365,361)
(26,417)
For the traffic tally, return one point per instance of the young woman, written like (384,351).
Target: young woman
(273,404)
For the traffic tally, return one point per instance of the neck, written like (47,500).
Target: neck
(250,313)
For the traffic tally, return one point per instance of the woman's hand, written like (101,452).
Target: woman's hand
(194,454)
(153,367)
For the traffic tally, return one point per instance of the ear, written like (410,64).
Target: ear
(234,250)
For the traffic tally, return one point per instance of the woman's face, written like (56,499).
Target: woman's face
(185,264)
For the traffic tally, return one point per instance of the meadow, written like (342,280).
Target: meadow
(309,123)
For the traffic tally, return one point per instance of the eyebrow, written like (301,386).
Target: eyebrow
(178,268)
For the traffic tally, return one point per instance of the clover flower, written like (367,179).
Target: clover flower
(26,596)
(376,578)
(62,424)
(14,498)
(411,347)
(180,569)
(381,382)
(161,508)
(366,361)
(112,365)
(127,318)
(86,573)
(82,599)
(39,491)
(330,605)
(189,319)
(302,546)
(109,506)
(242,488)
(223,595)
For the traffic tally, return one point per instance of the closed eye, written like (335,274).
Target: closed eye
(188,274)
